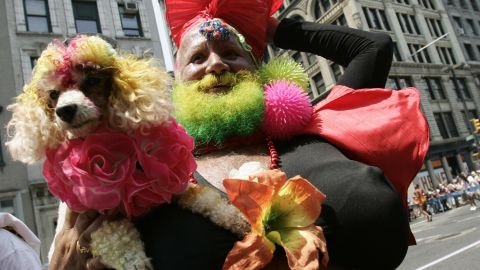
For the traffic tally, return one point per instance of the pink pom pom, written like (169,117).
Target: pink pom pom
(287,109)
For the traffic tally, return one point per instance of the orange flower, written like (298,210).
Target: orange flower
(280,212)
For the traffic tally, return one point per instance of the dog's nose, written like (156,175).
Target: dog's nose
(67,113)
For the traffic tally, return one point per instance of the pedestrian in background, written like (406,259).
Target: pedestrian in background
(421,200)
(19,247)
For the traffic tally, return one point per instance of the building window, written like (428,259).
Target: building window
(417,55)
(450,123)
(474,5)
(340,21)
(275,50)
(446,125)
(86,17)
(396,53)
(435,27)
(457,22)
(405,2)
(298,58)
(441,125)
(312,58)
(33,61)
(318,11)
(376,18)
(461,88)
(337,71)
(7,205)
(319,84)
(470,53)
(463,4)
(446,55)
(435,88)
(471,114)
(266,56)
(470,28)
(130,22)
(408,24)
(322,6)
(325,5)
(37,15)
(428,4)
(399,82)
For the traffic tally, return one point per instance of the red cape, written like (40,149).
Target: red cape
(379,127)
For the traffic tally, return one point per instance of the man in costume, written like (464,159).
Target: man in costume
(360,147)
(363,218)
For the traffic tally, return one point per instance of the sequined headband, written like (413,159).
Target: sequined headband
(215,29)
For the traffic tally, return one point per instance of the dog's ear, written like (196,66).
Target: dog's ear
(140,94)
(30,131)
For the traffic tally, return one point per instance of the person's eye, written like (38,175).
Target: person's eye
(197,58)
(230,54)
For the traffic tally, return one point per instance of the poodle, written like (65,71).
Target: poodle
(77,88)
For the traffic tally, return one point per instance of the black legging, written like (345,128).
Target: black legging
(366,56)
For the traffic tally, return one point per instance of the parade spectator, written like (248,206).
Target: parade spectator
(421,200)
(443,196)
(19,247)
(451,187)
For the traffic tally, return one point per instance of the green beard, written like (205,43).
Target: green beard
(214,117)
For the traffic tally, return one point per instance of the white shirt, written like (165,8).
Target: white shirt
(16,254)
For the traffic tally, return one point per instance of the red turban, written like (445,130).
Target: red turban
(249,17)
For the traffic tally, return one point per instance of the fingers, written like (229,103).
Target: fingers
(70,217)
(86,235)
(85,219)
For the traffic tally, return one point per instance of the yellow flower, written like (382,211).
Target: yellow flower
(280,212)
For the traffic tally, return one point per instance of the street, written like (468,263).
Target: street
(451,241)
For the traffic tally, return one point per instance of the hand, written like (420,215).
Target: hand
(271,29)
(72,244)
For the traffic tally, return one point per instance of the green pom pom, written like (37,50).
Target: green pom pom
(284,68)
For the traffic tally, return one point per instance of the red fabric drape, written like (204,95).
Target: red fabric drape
(249,17)
(380,127)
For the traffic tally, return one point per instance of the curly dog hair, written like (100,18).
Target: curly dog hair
(79,86)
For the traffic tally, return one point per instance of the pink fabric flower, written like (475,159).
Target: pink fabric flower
(91,173)
(108,169)
(165,154)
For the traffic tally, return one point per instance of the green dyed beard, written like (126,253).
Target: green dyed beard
(214,117)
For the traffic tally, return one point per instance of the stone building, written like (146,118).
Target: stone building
(28,26)
(444,72)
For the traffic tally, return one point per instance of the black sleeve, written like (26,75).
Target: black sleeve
(366,56)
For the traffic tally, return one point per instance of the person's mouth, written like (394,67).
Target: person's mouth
(218,89)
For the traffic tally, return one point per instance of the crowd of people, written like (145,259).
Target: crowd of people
(463,190)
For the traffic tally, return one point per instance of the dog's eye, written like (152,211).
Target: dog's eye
(54,94)
(91,81)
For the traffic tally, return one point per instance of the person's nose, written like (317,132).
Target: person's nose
(216,65)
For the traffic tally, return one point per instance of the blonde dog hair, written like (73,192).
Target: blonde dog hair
(139,96)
